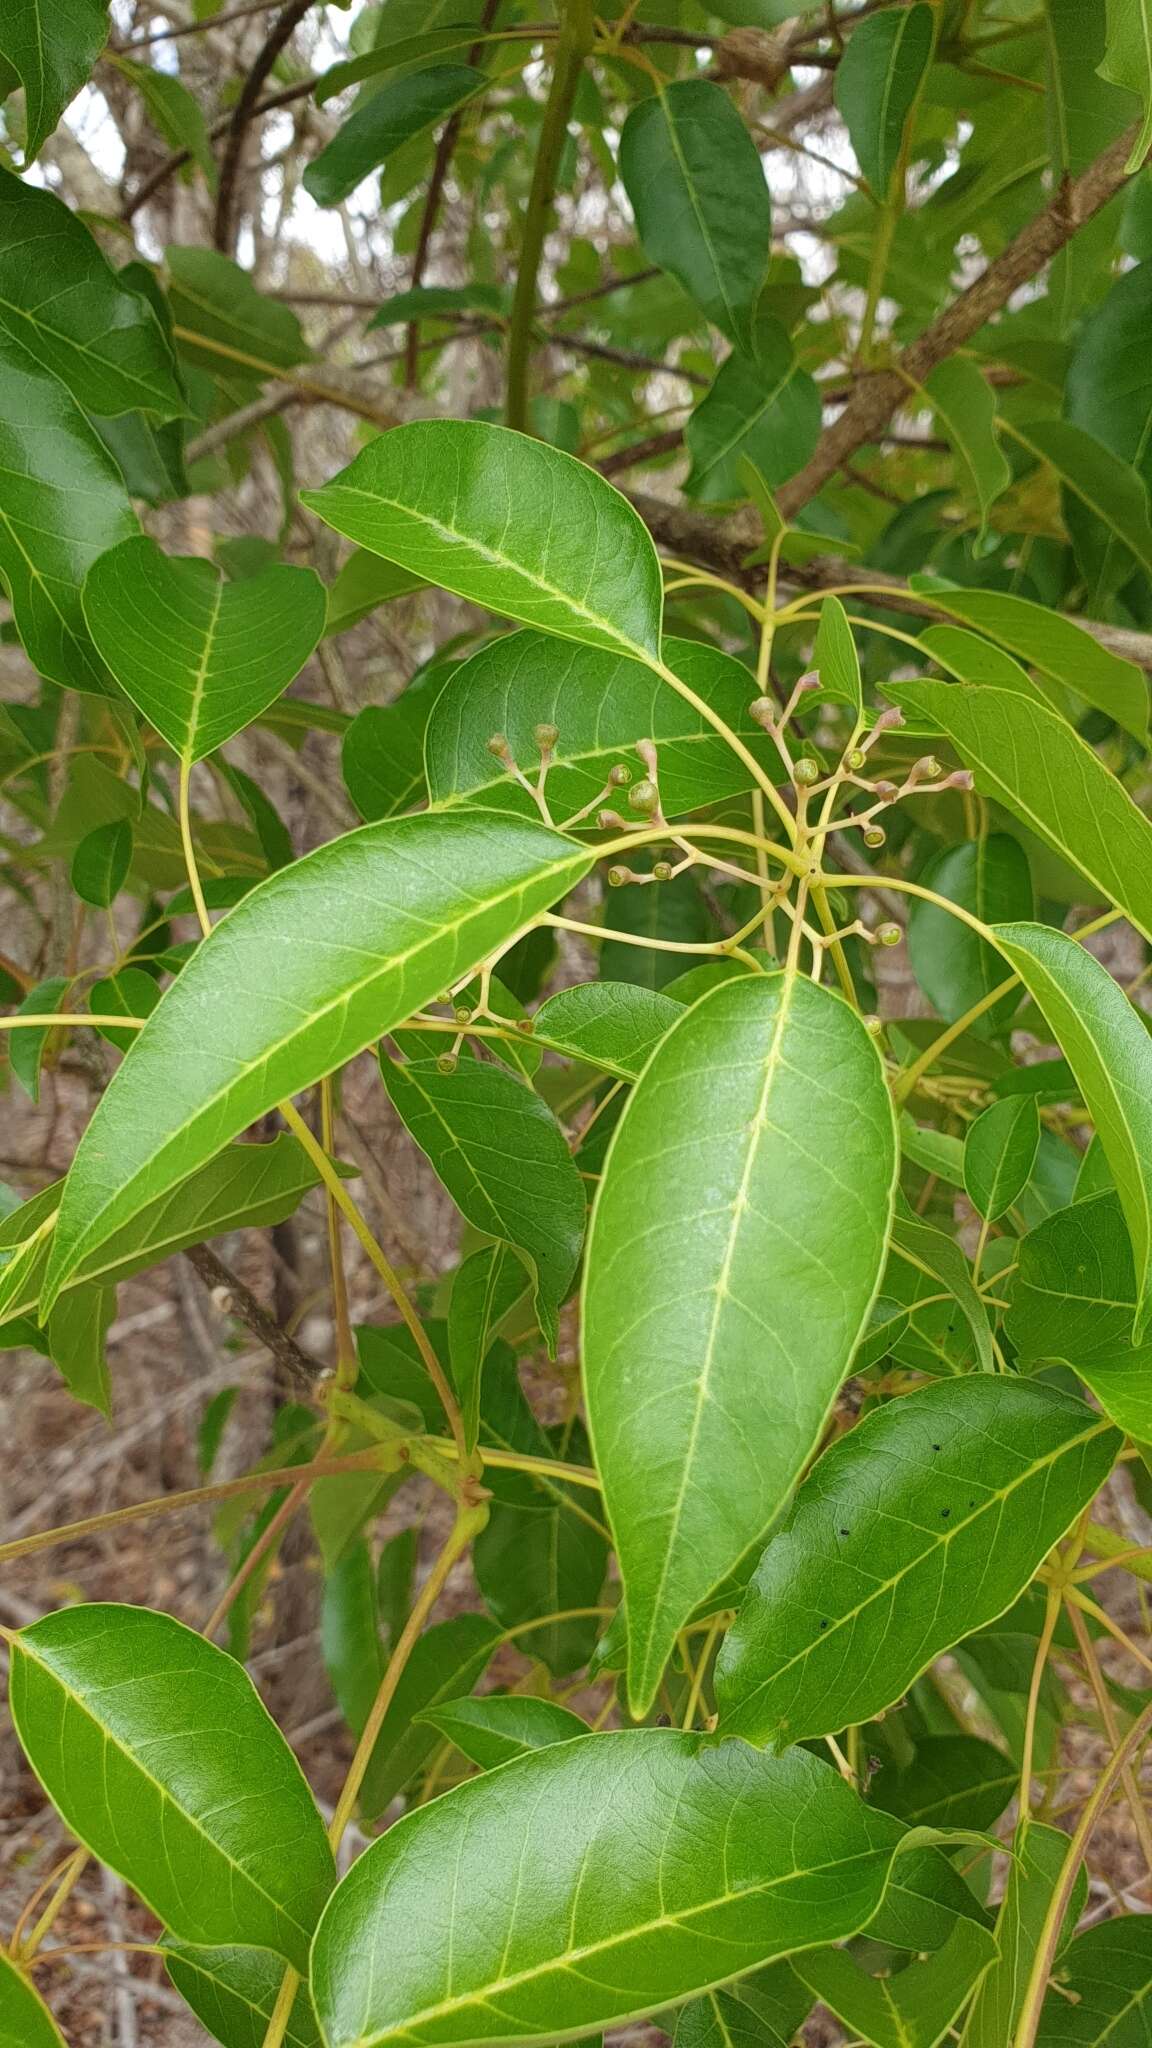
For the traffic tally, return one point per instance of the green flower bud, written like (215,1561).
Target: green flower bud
(447,1063)
(462,1013)
(546,737)
(874,835)
(889,934)
(807,771)
(857,758)
(874,1026)
(644,797)
(620,776)
(498,745)
(617,877)
(662,871)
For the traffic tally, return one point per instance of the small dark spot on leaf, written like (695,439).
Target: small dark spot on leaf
(945,1511)
(935,1447)
(823,1624)
(845,1532)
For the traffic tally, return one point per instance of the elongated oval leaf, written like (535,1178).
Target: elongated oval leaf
(51,50)
(965,410)
(200,658)
(1110,1052)
(25,2021)
(877,83)
(233,1992)
(1105,1995)
(64,310)
(600,705)
(919,1526)
(446,1661)
(514,525)
(658,1869)
(493,1730)
(612,1024)
(158,1752)
(999,1155)
(1113,492)
(1059,648)
(1033,762)
(698,192)
(954,966)
(751,1173)
(1075,1293)
(912,2008)
(763,409)
(392,116)
(316,963)
(953,1781)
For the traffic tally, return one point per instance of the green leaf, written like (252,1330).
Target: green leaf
(746,1858)
(382,757)
(429,301)
(954,966)
(407,107)
(1110,1052)
(233,1993)
(1105,484)
(518,527)
(446,1661)
(763,409)
(933,1151)
(911,2008)
(176,112)
(156,1749)
(953,1781)
(1128,62)
(394,1574)
(878,82)
(213,300)
(916,1528)
(244,1187)
(765,1102)
(835,659)
(999,1155)
(542,1555)
(1033,763)
(1074,1301)
(939,1261)
(493,1730)
(269,1004)
(696,186)
(365,581)
(611,1024)
(350,1634)
(1106,1980)
(433,42)
(28,1046)
(600,705)
(201,658)
(965,409)
(77,1327)
(62,502)
(502,1157)
(64,310)
(1059,648)
(484,1287)
(741,2017)
(101,862)
(1033,1870)
(25,2021)
(51,49)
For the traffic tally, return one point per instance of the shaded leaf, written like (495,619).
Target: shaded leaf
(911,2008)
(484,1287)
(877,85)
(25,2021)
(28,1047)
(350,1635)
(999,1155)
(493,1730)
(835,659)
(612,1024)
(954,966)
(409,106)
(1033,1870)
(965,409)
(1128,62)
(445,1661)
(101,861)
(1059,648)
(953,1781)
(233,1993)
(1106,1978)
(50,47)
(763,409)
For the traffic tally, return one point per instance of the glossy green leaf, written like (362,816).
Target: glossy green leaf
(245,1186)
(878,83)
(733,2019)
(999,1155)
(1110,1052)
(954,966)
(544,1553)
(1105,1995)
(600,706)
(201,658)
(516,526)
(50,48)
(835,659)
(911,2008)
(407,107)
(365,581)
(1102,482)
(270,1003)
(64,310)
(62,502)
(500,1726)
(440,300)
(484,1287)
(1128,62)
(28,1047)
(77,1327)
(762,409)
(350,1634)
(746,1858)
(502,1157)
(160,1756)
(1059,648)
(1032,762)
(101,861)
(916,1528)
(611,1024)
(382,757)
(446,1661)
(233,1993)
(672,911)
(697,189)
(1033,1871)
(965,409)
(937,1261)
(933,1151)
(1074,1300)
(25,2021)
(753,1168)
(953,1781)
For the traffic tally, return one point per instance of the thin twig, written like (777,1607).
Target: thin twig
(234,1298)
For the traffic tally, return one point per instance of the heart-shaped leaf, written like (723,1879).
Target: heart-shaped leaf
(752,1171)
(201,658)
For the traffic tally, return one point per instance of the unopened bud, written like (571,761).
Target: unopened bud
(874,835)
(856,758)
(808,681)
(647,752)
(961,778)
(611,821)
(644,797)
(889,720)
(888,934)
(447,1063)
(874,1026)
(662,871)
(617,877)
(806,772)
(498,745)
(885,789)
(546,737)
(462,1013)
(763,710)
(929,767)
(619,776)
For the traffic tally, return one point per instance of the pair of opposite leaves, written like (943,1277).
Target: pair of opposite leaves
(418,901)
